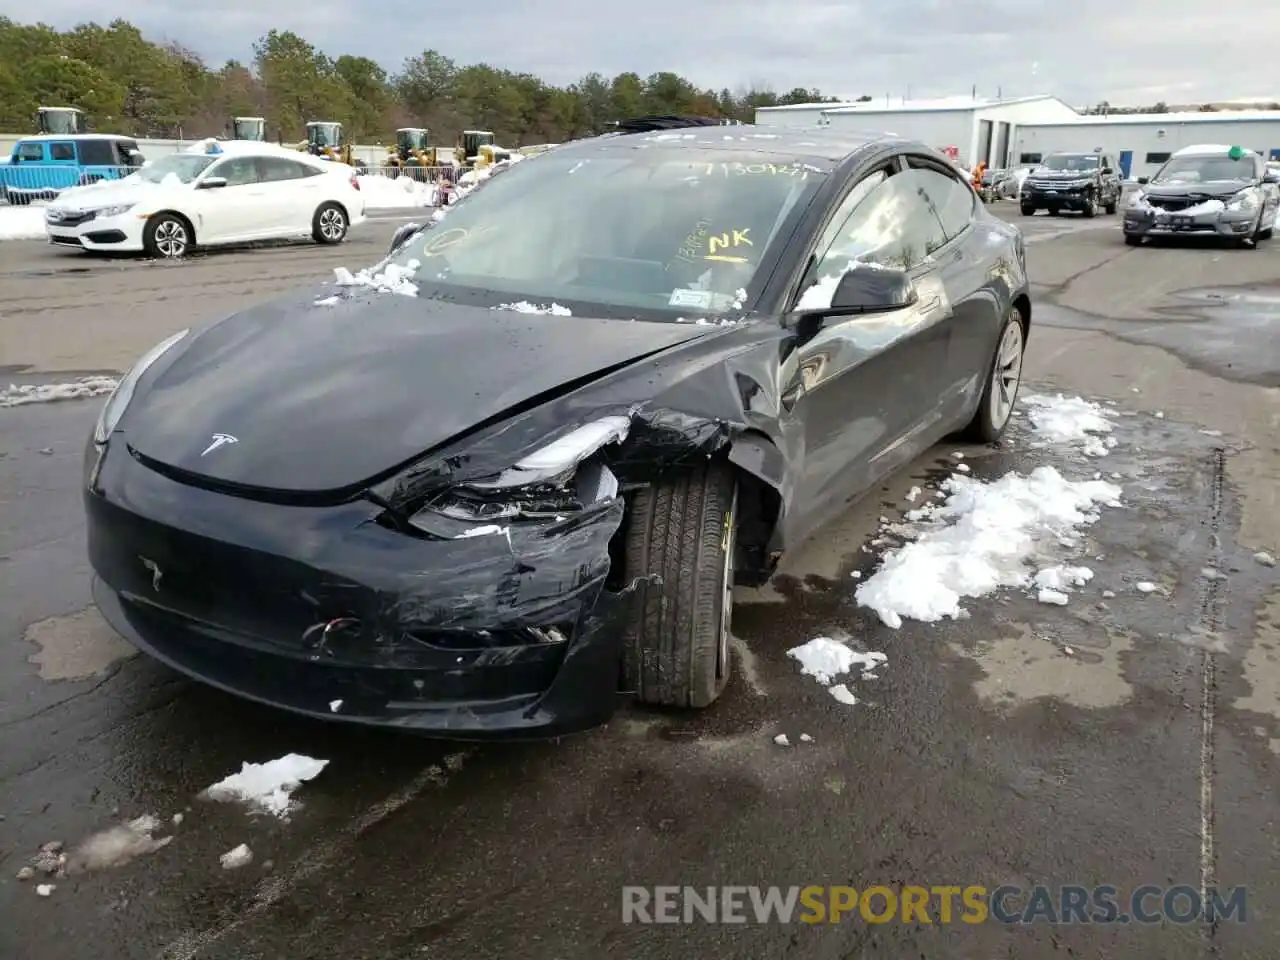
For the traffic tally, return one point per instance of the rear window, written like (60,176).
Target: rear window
(97,152)
(674,232)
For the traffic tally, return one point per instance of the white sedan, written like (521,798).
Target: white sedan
(215,193)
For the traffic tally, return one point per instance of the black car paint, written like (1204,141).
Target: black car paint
(319,589)
(1039,190)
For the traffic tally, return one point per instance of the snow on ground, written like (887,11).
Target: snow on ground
(384,193)
(16,395)
(983,536)
(267,787)
(825,659)
(1070,421)
(24,222)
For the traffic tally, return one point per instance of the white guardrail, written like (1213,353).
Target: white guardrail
(385,187)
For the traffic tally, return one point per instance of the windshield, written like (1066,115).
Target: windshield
(1203,168)
(184,166)
(323,134)
(1084,163)
(673,233)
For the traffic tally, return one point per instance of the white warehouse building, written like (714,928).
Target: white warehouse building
(1141,142)
(970,129)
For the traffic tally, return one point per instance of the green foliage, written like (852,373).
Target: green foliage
(129,84)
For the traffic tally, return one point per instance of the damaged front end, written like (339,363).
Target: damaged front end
(459,599)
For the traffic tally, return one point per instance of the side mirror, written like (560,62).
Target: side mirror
(1107,171)
(868,289)
(404,233)
(211,183)
(1143,181)
(1271,176)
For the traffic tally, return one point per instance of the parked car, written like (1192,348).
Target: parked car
(519,469)
(1081,182)
(1206,190)
(41,168)
(240,192)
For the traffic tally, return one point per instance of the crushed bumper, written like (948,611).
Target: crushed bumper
(326,612)
(1149,223)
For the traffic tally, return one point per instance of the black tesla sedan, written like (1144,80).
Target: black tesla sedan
(628,373)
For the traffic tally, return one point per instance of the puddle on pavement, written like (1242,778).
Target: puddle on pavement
(1082,666)
(1261,667)
(76,647)
(1228,333)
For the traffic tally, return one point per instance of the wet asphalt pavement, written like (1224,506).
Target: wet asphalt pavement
(1122,741)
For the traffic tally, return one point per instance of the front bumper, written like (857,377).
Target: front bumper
(1063,197)
(302,607)
(1149,221)
(89,231)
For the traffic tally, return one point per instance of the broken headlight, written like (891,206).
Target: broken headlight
(1246,201)
(560,478)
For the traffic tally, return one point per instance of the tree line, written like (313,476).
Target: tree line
(130,85)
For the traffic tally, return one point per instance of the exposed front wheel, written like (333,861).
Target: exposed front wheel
(681,530)
(1112,206)
(1028,210)
(329,225)
(995,409)
(167,236)
(1090,208)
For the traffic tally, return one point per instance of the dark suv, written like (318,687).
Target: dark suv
(1071,181)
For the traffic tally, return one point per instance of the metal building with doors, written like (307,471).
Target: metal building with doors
(1142,142)
(971,129)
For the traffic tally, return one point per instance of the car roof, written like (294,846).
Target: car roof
(43,137)
(814,144)
(1209,149)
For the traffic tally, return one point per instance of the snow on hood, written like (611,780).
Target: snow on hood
(106,193)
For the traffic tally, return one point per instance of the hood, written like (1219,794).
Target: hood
(324,398)
(105,193)
(1219,189)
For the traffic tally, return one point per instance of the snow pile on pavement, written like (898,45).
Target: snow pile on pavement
(1070,421)
(384,193)
(17,395)
(383,277)
(236,857)
(267,787)
(984,536)
(24,222)
(825,659)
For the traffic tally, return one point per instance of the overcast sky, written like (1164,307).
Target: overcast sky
(1124,51)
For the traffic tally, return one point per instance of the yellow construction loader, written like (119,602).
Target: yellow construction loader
(412,154)
(324,139)
(490,154)
(467,151)
(60,121)
(249,128)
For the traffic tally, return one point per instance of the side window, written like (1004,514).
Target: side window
(1158,157)
(62,151)
(30,152)
(238,171)
(97,153)
(894,224)
(275,169)
(953,201)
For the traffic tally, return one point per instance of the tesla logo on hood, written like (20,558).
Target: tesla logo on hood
(219,440)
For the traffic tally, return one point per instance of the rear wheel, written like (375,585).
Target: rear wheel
(329,225)
(995,409)
(167,236)
(682,531)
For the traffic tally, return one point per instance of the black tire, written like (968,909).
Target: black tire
(330,224)
(676,647)
(1251,241)
(1133,240)
(1112,207)
(1028,210)
(1090,208)
(987,425)
(1054,211)
(168,236)
(1266,234)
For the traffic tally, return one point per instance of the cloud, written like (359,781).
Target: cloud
(1138,51)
